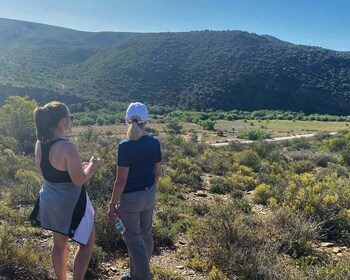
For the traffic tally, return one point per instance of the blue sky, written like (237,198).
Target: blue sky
(323,23)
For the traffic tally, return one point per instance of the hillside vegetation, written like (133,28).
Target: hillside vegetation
(191,70)
(269,211)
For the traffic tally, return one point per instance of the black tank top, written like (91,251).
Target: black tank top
(50,173)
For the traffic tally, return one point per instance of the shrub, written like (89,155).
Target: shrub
(174,127)
(325,198)
(249,158)
(162,235)
(220,186)
(215,162)
(336,144)
(200,208)
(97,258)
(166,186)
(185,173)
(216,274)
(244,246)
(299,144)
(87,121)
(322,159)
(16,120)
(207,124)
(262,193)
(237,194)
(107,236)
(253,134)
(151,130)
(302,166)
(245,183)
(164,274)
(20,258)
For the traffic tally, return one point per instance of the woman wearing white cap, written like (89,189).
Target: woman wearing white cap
(133,199)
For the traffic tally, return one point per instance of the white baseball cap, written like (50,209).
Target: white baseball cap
(137,111)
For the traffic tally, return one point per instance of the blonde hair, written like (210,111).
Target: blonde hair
(135,129)
(47,118)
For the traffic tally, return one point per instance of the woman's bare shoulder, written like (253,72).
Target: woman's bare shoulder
(68,145)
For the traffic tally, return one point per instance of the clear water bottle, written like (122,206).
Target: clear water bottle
(119,226)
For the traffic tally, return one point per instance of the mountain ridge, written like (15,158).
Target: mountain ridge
(198,70)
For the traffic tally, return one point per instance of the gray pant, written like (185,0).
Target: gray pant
(136,212)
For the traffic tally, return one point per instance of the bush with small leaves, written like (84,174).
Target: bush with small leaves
(323,159)
(28,184)
(262,193)
(16,120)
(216,274)
(220,185)
(97,258)
(253,134)
(107,236)
(325,198)
(162,235)
(302,166)
(185,173)
(249,158)
(242,245)
(242,182)
(19,257)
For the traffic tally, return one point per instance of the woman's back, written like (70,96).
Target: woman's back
(140,156)
(51,153)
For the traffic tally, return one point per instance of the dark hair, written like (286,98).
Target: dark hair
(47,118)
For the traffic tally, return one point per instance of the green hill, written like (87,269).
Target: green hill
(193,70)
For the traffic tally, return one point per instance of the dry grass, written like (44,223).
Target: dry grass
(276,128)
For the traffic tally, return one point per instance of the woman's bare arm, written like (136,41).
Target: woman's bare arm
(74,166)
(38,156)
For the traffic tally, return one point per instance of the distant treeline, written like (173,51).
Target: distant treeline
(166,115)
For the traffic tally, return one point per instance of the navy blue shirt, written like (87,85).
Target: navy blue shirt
(140,156)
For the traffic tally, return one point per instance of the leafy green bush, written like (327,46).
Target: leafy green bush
(216,274)
(249,158)
(253,134)
(200,208)
(107,236)
(165,274)
(215,162)
(20,258)
(28,184)
(243,182)
(207,124)
(326,198)
(244,246)
(262,193)
(162,235)
(97,258)
(186,173)
(174,127)
(220,186)
(16,120)
(319,158)
(301,166)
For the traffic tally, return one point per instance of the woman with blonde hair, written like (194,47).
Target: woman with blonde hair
(134,193)
(63,205)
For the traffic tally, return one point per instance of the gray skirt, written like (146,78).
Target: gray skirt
(66,209)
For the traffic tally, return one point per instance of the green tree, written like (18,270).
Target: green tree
(16,120)
(207,124)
